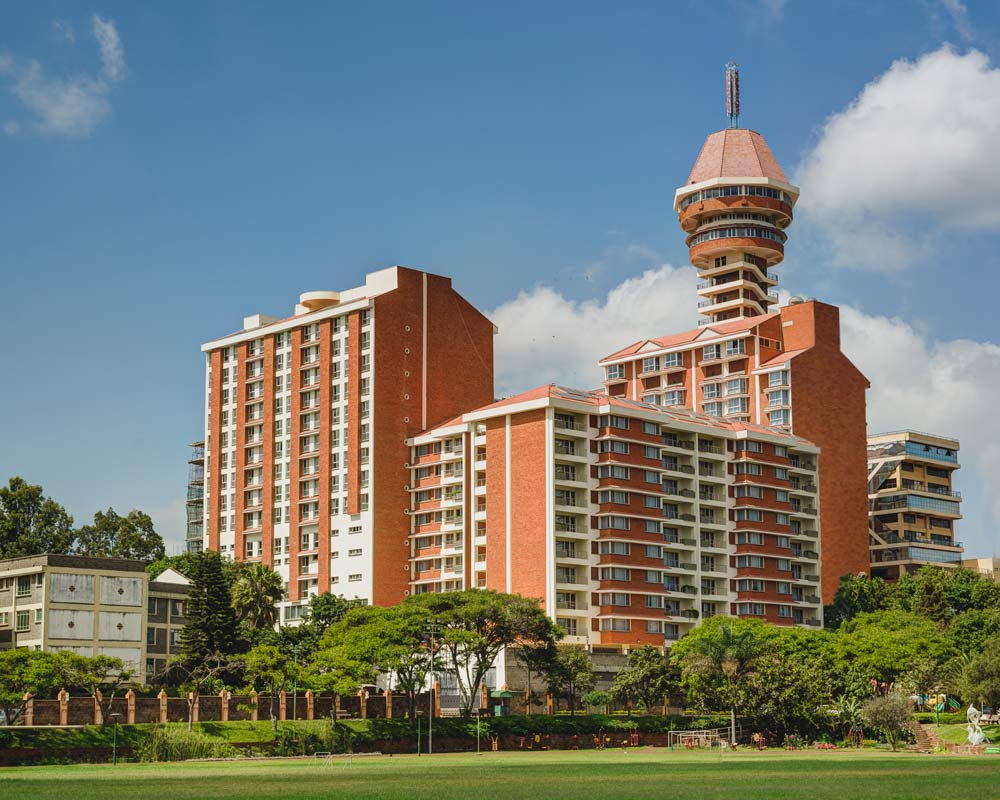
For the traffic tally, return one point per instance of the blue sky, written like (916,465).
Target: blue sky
(169,169)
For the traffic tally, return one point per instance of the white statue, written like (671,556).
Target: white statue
(976,735)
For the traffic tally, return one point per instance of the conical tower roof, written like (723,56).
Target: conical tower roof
(735,153)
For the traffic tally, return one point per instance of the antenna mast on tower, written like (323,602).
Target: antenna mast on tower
(733,94)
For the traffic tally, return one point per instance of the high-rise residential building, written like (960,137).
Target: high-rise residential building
(629,521)
(987,567)
(912,503)
(306,421)
(195,506)
(749,361)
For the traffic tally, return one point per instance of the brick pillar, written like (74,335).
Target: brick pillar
(97,707)
(310,704)
(130,707)
(336,706)
(363,704)
(527,701)
(194,708)
(484,696)
(29,709)
(388,703)
(548,703)
(162,697)
(63,707)
(224,706)
(436,705)
(282,705)
(255,713)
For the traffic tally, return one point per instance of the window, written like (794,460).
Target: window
(781,451)
(615,548)
(752,562)
(750,446)
(613,421)
(651,476)
(674,398)
(737,386)
(747,585)
(710,353)
(615,574)
(354,578)
(151,605)
(654,601)
(750,609)
(618,498)
(651,364)
(612,446)
(673,360)
(747,468)
(613,523)
(651,428)
(784,611)
(713,409)
(781,473)
(749,515)
(747,490)
(779,378)
(749,537)
(23,585)
(653,551)
(650,501)
(4,619)
(736,405)
(780,417)
(652,526)
(356,551)
(650,452)
(781,495)
(615,372)
(781,519)
(783,587)
(615,599)
(783,542)
(620,625)
(784,565)
(612,471)
(38,616)
(22,620)
(737,347)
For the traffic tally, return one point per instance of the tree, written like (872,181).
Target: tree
(979,680)
(476,625)
(887,713)
(371,641)
(648,678)
(195,676)
(571,673)
(26,672)
(597,697)
(103,677)
(969,631)
(303,640)
(269,670)
(212,630)
(115,536)
(856,594)
(30,523)
(256,594)
(538,659)
(887,644)
(784,693)
(716,657)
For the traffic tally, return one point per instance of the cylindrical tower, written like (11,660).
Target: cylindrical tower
(735,208)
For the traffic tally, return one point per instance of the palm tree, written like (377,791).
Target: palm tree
(256,593)
(728,652)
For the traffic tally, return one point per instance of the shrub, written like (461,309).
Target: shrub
(887,714)
(174,744)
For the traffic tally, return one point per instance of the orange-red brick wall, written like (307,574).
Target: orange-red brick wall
(239,386)
(267,468)
(459,378)
(323,523)
(828,408)
(496,506)
(353,413)
(529,560)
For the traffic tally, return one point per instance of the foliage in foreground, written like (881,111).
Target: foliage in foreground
(170,743)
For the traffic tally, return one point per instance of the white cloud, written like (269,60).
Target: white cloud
(911,158)
(112,52)
(73,106)
(11,128)
(546,337)
(947,387)
(63,29)
(959,14)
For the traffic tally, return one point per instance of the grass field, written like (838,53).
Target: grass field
(636,775)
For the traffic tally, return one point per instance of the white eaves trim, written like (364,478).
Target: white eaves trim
(691,188)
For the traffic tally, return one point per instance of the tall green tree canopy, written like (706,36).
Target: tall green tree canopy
(213,629)
(256,593)
(115,536)
(30,523)
(887,644)
(648,678)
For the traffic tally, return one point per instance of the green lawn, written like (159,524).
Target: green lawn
(638,774)
(959,734)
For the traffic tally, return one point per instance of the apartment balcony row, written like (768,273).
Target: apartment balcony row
(915,486)
(933,540)
(917,503)
(916,555)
